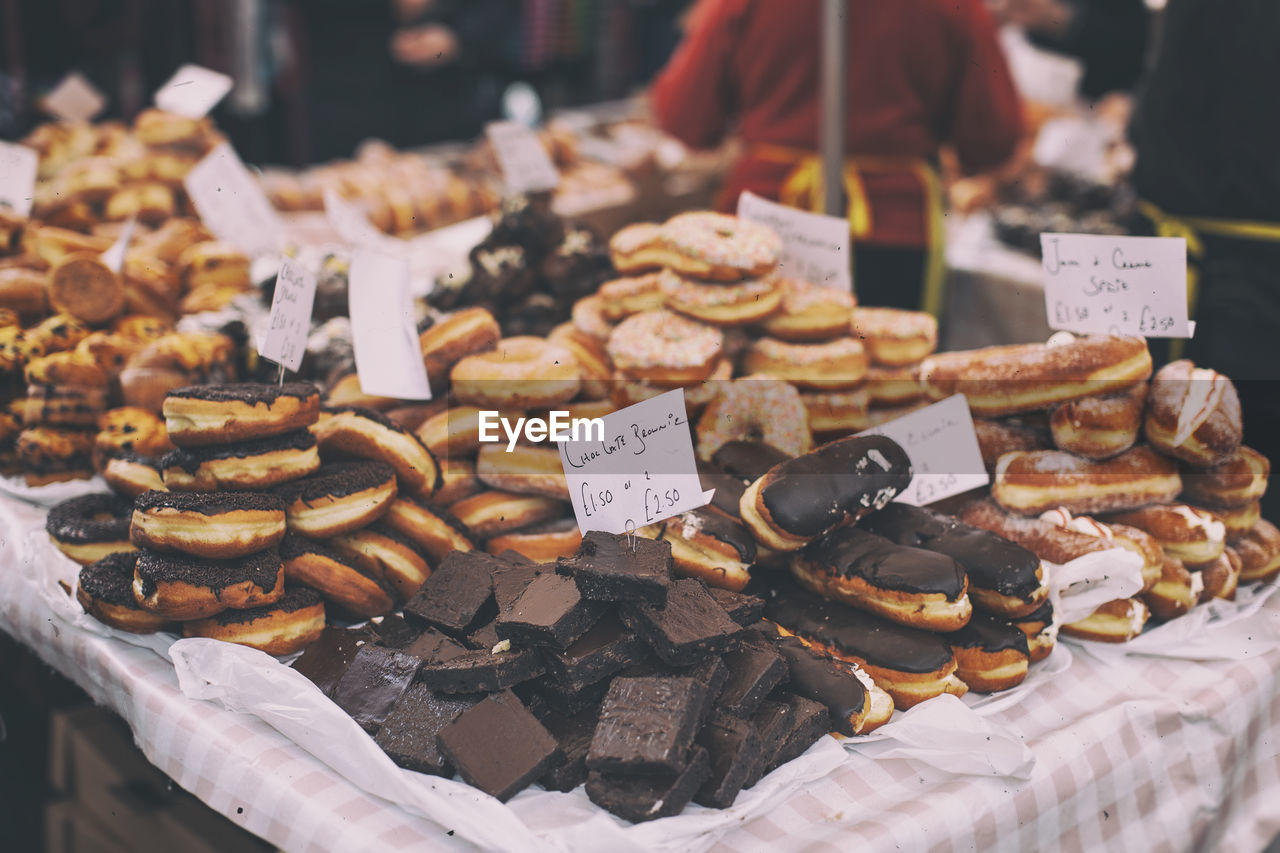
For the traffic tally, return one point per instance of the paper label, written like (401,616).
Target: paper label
(231,202)
(285,341)
(114,256)
(74,99)
(1116,285)
(815,248)
(18,177)
(353,226)
(642,472)
(383,330)
(943,448)
(525,164)
(192,91)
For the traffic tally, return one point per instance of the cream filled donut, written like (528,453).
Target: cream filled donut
(181,587)
(519,373)
(1238,480)
(1259,552)
(367,434)
(200,415)
(288,625)
(1193,414)
(1188,534)
(90,527)
(341,497)
(256,464)
(1032,482)
(105,591)
(215,525)
(436,533)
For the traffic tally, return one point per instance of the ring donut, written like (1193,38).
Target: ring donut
(181,587)
(215,525)
(622,297)
(665,348)
(809,313)
(718,247)
(894,337)
(494,513)
(288,625)
(200,415)
(541,543)
(524,470)
(89,527)
(738,304)
(755,408)
(637,248)
(385,554)
(130,474)
(453,338)
(105,591)
(831,366)
(253,465)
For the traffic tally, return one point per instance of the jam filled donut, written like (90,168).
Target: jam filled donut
(832,366)
(718,247)
(622,297)
(341,497)
(346,392)
(519,373)
(1259,553)
(1040,631)
(1116,621)
(837,414)
(436,533)
(256,464)
(1238,480)
(130,474)
(385,554)
(894,337)
(637,248)
(289,625)
(708,544)
(90,527)
(495,513)
(178,586)
(200,415)
(1239,520)
(798,500)
(738,304)
(1177,591)
(1193,414)
(921,589)
(1046,539)
(1118,535)
(1191,535)
(991,654)
(755,408)
(216,525)
(105,591)
(911,665)
(1220,578)
(342,582)
(370,435)
(894,386)
(1029,483)
(664,348)
(1007,380)
(809,313)
(541,543)
(1099,427)
(524,470)
(453,338)
(1005,578)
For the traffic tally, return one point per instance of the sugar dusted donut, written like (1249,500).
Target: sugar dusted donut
(200,415)
(737,304)
(991,654)
(1188,534)
(1099,427)
(998,437)
(755,408)
(1177,591)
(435,532)
(309,562)
(893,337)
(256,464)
(831,366)
(1238,480)
(90,527)
(1239,520)
(1032,482)
(215,525)
(1193,414)
(1116,621)
(286,626)
(637,248)
(341,497)
(453,338)
(664,348)
(622,297)
(1259,553)
(809,312)
(367,434)
(105,591)
(1220,578)
(1115,534)
(181,587)
(894,386)
(519,373)
(718,247)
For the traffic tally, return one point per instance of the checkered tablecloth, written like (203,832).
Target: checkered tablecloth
(1131,753)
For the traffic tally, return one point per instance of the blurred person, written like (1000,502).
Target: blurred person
(1207,131)
(923,74)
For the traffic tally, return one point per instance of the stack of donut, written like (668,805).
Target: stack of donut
(897,342)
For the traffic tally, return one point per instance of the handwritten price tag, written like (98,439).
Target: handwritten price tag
(815,248)
(642,472)
(354,227)
(383,331)
(525,164)
(231,202)
(18,177)
(192,91)
(74,99)
(943,447)
(286,339)
(113,257)
(1116,285)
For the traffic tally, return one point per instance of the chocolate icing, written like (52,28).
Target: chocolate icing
(1043,613)
(190,459)
(209,503)
(819,677)
(247,392)
(721,527)
(877,641)
(852,552)
(295,598)
(337,479)
(728,488)
(261,569)
(111,579)
(991,561)
(73,520)
(989,634)
(809,494)
(748,461)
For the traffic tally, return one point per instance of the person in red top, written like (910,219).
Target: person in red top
(923,74)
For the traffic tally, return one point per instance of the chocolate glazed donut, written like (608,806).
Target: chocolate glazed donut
(1004,578)
(800,499)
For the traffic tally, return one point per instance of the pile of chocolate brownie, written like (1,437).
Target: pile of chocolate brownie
(601,668)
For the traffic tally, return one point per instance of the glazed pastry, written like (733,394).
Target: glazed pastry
(181,587)
(841,687)
(105,591)
(257,464)
(90,527)
(991,654)
(215,525)
(200,415)
(1193,414)
(1029,483)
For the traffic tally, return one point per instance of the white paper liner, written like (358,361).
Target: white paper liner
(1086,583)
(54,493)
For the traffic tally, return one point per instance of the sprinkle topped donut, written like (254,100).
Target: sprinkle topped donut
(719,247)
(664,347)
(736,304)
(756,407)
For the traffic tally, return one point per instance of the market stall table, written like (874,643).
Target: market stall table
(1151,753)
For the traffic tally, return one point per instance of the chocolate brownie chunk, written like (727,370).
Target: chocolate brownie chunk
(744,609)
(453,596)
(647,725)
(614,567)
(393,631)
(691,625)
(733,745)
(375,680)
(550,612)
(573,734)
(431,646)
(606,648)
(641,798)
(754,670)
(498,746)
(408,734)
(482,671)
(325,660)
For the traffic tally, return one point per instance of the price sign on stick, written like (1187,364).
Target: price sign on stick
(815,248)
(1116,285)
(383,330)
(525,164)
(640,471)
(18,177)
(113,257)
(192,91)
(231,202)
(943,448)
(286,339)
(74,99)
